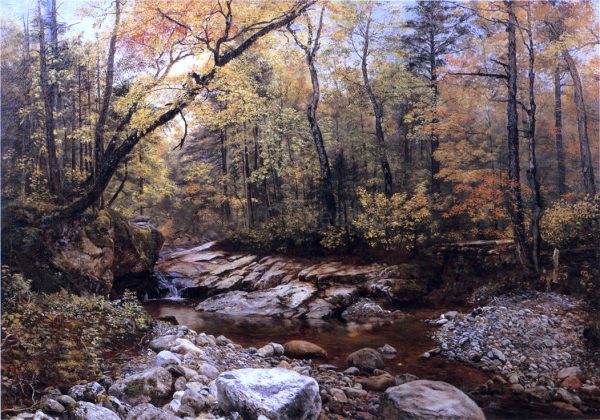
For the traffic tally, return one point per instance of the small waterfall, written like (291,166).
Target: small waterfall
(168,287)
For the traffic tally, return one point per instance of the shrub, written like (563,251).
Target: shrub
(396,222)
(49,339)
(571,223)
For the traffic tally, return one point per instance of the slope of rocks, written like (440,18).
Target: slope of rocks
(287,287)
(535,341)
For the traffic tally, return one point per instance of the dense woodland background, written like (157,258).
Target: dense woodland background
(352,124)
(300,127)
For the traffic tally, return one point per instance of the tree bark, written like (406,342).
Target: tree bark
(532,177)
(225,208)
(560,153)
(515,200)
(54,175)
(378,112)
(326,183)
(108,88)
(587,167)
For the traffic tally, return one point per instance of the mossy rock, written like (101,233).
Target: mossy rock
(83,256)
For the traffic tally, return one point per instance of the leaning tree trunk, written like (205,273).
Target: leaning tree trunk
(560,152)
(378,111)
(587,167)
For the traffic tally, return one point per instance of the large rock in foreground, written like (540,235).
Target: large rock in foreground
(425,399)
(279,394)
(83,256)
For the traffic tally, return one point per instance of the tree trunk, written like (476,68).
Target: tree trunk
(515,201)
(587,167)
(108,88)
(378,111)
(532,178)
(226,210)
(54,175)
(560,153)
(247,184)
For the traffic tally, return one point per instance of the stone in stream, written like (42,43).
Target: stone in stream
(284,300)
(366,359)
(277,393)
(148,386)
(569,371)
(425,399)
(303,350)
(377,383)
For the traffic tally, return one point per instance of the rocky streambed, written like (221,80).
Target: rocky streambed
(185,374)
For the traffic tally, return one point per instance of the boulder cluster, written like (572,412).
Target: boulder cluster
(189,375)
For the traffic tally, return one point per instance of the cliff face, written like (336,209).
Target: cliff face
(83,256)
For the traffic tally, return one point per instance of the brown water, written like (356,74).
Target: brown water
(410,336)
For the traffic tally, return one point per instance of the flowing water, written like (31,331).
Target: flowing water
(410,336)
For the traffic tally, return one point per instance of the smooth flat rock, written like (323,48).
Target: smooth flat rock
(425,399)
(277,393)
(278,301)
(234,265)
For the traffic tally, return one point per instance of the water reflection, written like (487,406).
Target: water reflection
(409,335)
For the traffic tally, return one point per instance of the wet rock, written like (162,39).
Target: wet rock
(88,411)
(149,412)
(591,390)
(284,300)
(336,273)
(513,379)
(319,309)
(151,385)
(365,310)
(377,383)
(51,406)
(387,350)
(499,355)
(303,350)
(404,378)
(116,405)
(166,357)
(279,394)
(424,399)
(366,359)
